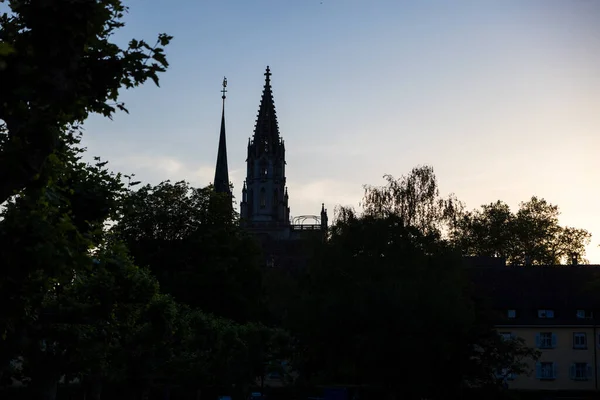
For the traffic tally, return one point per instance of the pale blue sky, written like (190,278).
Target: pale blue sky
(501,97)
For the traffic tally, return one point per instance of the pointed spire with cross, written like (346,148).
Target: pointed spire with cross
(221,181)
(266,194)
(266,130)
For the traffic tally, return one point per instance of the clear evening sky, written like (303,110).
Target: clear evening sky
(502,98)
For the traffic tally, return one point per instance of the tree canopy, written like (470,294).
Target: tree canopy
(190,240)
(416,199)
(58,64)
(532,235)
(76,305)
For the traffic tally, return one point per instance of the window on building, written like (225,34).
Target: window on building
(579,340)
(545,313)
(512,314)
(581,371)
(545,370)
(506,335)
(545,340)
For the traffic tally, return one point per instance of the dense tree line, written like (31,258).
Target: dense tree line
(108,285)
(531,235)
(79,300)
(77,303)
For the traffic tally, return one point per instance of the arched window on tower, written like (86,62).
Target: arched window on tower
(263,198)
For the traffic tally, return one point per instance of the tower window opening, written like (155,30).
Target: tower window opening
(264,172)
(263,198)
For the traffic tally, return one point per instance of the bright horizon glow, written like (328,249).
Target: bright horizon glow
(502,99)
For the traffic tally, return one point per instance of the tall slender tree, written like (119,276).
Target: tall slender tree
(416,199)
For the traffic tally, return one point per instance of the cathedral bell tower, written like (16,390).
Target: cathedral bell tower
(264,203)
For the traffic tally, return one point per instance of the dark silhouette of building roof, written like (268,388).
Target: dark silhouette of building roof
(564,289)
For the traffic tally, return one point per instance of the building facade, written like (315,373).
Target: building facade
(555,310)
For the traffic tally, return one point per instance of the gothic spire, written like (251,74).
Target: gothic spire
(265,201)
(266,130)
(221,181)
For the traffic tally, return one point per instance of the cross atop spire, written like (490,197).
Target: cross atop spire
(268,74)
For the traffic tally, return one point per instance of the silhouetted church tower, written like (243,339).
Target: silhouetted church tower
(221,182)
(264,204)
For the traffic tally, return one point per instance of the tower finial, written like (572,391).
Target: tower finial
(224,86)
(268,73)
